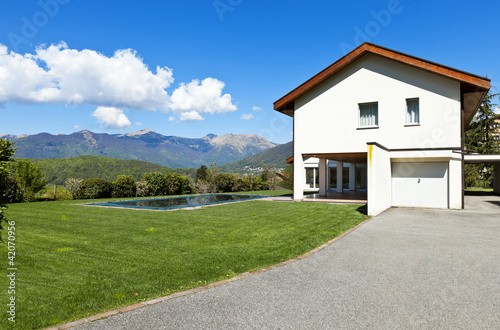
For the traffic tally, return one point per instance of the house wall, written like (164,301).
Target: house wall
(379,180)
(326,119)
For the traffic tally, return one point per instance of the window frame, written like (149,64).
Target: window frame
(417,123)
(359,116)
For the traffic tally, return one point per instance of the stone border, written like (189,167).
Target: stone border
(201,288)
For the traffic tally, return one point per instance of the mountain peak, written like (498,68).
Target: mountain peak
(211,136)
(138,133)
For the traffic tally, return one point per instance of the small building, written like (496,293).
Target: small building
(386,122)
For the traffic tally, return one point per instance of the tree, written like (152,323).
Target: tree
(73,187)
(209,185)
(95,188)
(124,186)
(201,173)
(480,138)
(482,129)
(30,178)
(6,152)
(287,177)
(156,183)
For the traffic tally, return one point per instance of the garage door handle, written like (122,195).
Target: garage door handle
(419,180)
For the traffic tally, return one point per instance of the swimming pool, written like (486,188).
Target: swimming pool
(179,202)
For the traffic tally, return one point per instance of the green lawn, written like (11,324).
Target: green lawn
(74,261)
(479,189)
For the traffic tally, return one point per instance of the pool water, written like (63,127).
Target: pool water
(179,202)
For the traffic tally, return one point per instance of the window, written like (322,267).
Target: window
(412,112)
(312,177)
(368,115)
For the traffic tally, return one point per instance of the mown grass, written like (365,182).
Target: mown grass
(479,189)
(74,261)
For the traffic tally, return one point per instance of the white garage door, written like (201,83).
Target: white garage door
(420,184)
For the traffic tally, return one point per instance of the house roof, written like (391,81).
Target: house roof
(473,87)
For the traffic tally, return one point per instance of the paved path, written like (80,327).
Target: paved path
(407,268)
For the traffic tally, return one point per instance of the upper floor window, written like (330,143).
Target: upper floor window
(412,111)
(368,114)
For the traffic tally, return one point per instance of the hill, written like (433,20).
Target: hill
(274,158)
(85,167)
(146,145)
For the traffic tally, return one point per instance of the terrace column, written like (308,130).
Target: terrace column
(323,167)
(340,181)
(299,177)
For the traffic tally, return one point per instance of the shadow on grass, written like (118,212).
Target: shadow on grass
(363,209)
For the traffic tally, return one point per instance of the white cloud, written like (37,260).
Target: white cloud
(246,116)
(57,74)
(190,116)
(138,123)
(111,117)
(256,108)
(77,127)
(497,110)
(204,97)
(171,118)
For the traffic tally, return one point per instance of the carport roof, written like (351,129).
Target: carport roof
(473,88)
(482,158)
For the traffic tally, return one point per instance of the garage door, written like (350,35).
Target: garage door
(420,184)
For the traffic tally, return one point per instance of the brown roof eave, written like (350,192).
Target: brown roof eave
(455,74)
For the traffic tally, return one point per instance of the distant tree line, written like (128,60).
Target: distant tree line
(23,181)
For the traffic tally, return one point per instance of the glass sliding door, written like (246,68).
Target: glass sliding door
(310,177)
(361,177)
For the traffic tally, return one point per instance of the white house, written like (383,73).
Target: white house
(387,122)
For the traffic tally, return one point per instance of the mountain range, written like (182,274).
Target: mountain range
(145,145)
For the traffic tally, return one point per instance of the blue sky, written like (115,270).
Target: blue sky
(209,66)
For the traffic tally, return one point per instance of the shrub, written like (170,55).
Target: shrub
(185,185)
(242,184)
(156,182)
(141,189)
(225,182)
(167,184)
(124,186)
(13,193)
(287,177)
(173,184)
(95,188)
(73,187)
(30,178)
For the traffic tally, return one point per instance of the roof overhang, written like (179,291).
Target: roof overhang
(473,87)
(348,157)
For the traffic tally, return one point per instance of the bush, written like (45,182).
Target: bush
(185,185)
(30,178)
(167,184)
(124,186)
(13,193)
(157,183)
(225,182)
(287,177)
(95,188)
(73,187)
(141,189)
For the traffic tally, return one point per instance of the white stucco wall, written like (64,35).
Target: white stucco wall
(379,180)
(326,118)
